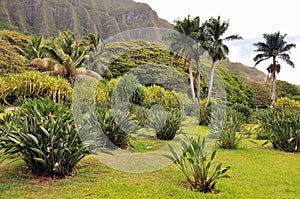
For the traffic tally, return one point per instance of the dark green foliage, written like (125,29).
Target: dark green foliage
(118,127)
(281,128)
(198,166)
(243,109)
(286,89)
(261,94)
(129,55)
(236,91)
(166,124)
(228,128)
(44,135)
(137,96)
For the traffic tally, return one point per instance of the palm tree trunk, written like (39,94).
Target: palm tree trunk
(211,80)
(192,83)
(273,95)
(198,81)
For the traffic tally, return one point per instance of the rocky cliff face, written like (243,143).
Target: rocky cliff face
(107,17)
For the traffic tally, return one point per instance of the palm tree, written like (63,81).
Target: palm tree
(274,47)
(213,30)
(64,57)
(188,45)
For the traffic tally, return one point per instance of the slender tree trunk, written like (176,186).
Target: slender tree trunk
(192,83)
(197,77)
(273,88)
(211,81)
(273,95)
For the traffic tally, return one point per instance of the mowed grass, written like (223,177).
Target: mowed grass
(256,172)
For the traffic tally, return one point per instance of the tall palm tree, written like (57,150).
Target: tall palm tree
(213,42)
(188,45)
(274,47)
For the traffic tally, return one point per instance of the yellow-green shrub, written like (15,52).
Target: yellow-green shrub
(33,84)
(157,94)
(152,94)
(286,103)
(104,90)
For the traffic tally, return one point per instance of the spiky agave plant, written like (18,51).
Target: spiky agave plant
(44,135)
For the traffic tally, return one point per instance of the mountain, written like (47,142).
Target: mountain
(46,17)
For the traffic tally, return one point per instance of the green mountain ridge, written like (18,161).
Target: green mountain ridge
(46,17)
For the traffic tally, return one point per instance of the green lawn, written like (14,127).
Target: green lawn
(256,172)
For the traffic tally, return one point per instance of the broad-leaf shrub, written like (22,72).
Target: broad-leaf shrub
(44,135)
(198,165)
(281,128)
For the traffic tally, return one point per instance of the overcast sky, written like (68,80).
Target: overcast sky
(249,19)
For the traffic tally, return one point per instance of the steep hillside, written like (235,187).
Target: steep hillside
(248,74)
(107,17)
(10,59)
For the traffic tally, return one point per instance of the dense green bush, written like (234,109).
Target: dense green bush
(44,135)
(165,123)
(118,128)
(281,128)
(285,89)
(32,84)
(197,166)
(228,128)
